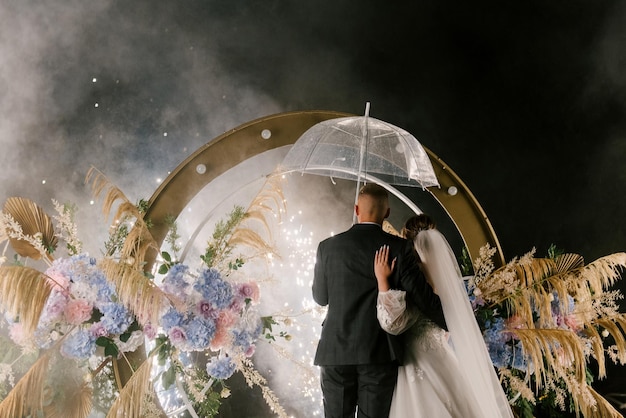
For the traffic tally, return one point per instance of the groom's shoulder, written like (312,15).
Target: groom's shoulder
(395,238)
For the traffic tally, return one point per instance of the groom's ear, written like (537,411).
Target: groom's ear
(387,213)
(356,210)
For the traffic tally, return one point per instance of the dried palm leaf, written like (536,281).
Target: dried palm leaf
(601,409)
(506,282)
(616,326)
(23,293)
(534,272)
(3,232)
(597,348)
(567,262)
(553,352)
(271,192)
(139,240)
(250,238)
(136,291)
(75,401)
(603,272)
(269,202)
(100,184)
(26,397)
(129,403)
(33,220)
(388,228)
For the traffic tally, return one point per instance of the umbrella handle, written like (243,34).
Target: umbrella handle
(363,151)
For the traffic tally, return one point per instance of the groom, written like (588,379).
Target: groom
(359,361)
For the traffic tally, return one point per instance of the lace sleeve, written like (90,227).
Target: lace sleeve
(392,312)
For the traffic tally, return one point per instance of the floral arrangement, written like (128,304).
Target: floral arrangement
(544,320)
(121,328)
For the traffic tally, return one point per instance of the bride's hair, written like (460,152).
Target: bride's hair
(417,223)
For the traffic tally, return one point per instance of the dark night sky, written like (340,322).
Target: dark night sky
(524,100)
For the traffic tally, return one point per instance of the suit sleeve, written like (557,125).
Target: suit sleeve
(419,292)
(320,283)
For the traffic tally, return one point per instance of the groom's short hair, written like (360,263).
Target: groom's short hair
(374,190)
(374,202)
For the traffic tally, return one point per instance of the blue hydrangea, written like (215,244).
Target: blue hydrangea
(220,368)
(518,359)
(555,304)
(105,290)
(211,286)
(494,331)
(501,354)
(172,318)
(242,339)
(115,318)
(200,332)
(79,345)
(175,282)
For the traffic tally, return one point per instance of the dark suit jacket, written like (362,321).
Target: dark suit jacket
(344,280)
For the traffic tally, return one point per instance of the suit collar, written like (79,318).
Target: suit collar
(367,225)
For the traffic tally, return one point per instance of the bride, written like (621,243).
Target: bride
(444,374)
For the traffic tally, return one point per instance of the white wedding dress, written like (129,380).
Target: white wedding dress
(444,374)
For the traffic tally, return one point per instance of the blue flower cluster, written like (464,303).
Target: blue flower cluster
(80,292)
(214,289)
(243,339)
(79,345)
(503,349)
(188,331)
(175,281)
(220,368)
(115,318)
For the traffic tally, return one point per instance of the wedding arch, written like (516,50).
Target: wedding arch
(280,131)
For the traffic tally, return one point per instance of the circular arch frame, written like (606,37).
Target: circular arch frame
(264,134)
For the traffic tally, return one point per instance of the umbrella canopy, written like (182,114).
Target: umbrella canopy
(361,148)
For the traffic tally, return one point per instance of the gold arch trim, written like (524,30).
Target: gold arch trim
(246,141)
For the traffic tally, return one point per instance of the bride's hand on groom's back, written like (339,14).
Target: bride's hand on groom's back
(382,269)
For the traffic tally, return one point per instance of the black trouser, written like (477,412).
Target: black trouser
(368,386)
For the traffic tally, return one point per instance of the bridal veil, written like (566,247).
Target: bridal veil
(440,266)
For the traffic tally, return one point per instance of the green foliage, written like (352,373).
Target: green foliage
(110,348)
(465,262)
(268,322)
(119,232)
(217,248)
(554,252)
(143,205)
(167,263)
(127,334)
(237,264)
(172,235)
(169,376)
(210,407)
(115,241)
(70,210)
(163,349)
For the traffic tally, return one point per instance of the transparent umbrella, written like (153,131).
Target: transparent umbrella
(363,149)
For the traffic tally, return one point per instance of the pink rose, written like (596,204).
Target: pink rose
(149,331)
(514,322)
(221,338)
(55,305)
(16,332)
(56,279)
(77,311)
(98,330)
(572,323)
(226,318)
(249,290)
(177,335)
(250,351)
(205,310)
